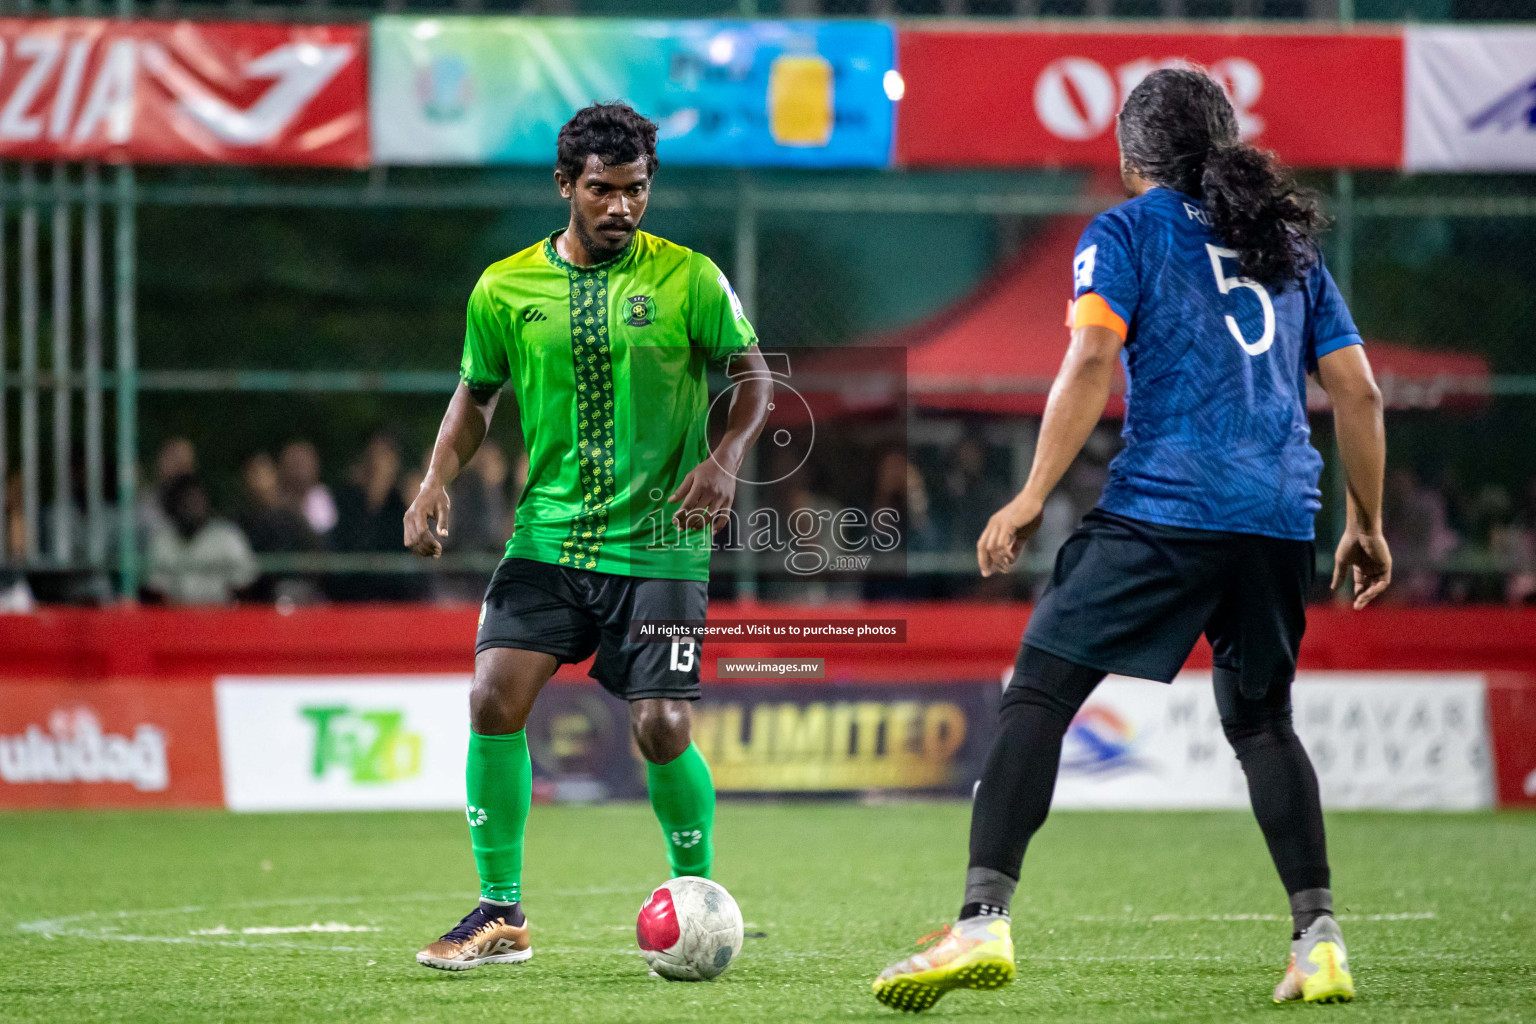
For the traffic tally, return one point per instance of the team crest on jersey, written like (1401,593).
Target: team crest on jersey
(642,310)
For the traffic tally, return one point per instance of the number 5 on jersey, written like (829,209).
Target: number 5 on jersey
(1226,285)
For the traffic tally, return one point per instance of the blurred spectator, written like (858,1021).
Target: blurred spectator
(1416,528)
(194,558)
(15,519)
(968,495)
(269,524)
(369,510)
(899,484)
(298,478)
(479,511)
(176,458)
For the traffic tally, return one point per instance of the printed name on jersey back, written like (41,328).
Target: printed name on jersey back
(1195,213)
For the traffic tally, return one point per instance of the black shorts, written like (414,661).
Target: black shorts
(571,613)
(1133,597)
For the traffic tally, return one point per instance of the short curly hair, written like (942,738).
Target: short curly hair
(613,132)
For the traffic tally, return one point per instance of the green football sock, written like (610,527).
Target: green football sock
(683,797)
(499,786)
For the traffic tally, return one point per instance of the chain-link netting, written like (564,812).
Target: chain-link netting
(316,467)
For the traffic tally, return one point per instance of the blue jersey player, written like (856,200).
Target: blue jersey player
(1209,287)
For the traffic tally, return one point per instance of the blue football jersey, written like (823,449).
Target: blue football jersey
(1216,434)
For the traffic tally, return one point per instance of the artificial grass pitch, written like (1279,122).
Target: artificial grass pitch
(1121,917)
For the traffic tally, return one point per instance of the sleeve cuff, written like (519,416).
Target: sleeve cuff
(1336,343)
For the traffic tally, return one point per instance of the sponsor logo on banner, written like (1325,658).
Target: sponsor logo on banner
(1471,99)
(364,745)
(74,749)
(340,743)
(103,745)
(1377,740)
(183,92)
(490,90)
(1033,98)
(808,737)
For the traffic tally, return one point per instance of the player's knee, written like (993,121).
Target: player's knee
(1258,727)
(1020,695)
(495,704)
(662,728)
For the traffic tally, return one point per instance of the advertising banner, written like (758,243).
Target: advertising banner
(1050,98)
(1471,99)
(1512,725)
(291,743)
(382,742)
(737,93)
(1399,741)
(798,738)
(149,744)
(183,92)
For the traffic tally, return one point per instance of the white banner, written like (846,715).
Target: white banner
(295,743)
(1388,740)
(1471,99)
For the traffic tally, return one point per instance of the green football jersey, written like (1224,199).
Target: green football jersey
(608,364)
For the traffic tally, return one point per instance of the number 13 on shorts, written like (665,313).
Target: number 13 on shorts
(684,649)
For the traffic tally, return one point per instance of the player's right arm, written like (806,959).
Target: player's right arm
(484,369)
(1105,291)
(1357,418)
(458,438)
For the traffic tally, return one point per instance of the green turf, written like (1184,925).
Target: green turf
(98,911)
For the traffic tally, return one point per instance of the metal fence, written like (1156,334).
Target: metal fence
(819,259)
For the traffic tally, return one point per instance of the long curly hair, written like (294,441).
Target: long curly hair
(1177,129)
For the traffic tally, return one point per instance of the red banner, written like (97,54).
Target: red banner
(1512,727)
(152,744)
(1020,99)
(183,92)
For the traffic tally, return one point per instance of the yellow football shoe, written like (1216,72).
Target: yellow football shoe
(975,953)
(1319,967)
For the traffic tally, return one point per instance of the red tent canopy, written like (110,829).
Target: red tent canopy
(998,349)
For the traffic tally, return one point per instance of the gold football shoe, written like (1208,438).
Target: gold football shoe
(485,936)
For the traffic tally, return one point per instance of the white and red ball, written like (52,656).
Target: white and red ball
(689,929)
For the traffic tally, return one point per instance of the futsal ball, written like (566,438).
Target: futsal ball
(689,929)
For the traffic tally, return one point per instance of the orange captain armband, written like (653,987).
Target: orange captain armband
(1093,311)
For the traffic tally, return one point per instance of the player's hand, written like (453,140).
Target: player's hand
(1007,532)
(1367,555)
(431,503)
(706,493)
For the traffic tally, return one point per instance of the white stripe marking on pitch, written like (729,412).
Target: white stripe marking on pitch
(297,929)
(1419,915)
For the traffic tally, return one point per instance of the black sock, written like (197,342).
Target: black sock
(982,910)
(1015,792)
(513,913)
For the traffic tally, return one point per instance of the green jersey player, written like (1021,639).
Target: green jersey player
(604,333)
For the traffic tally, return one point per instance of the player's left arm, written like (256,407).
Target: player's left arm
(718,326)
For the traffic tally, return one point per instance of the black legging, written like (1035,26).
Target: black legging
(1046,692)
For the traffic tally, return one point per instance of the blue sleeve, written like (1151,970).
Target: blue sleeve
(1105,264)
(1329,325)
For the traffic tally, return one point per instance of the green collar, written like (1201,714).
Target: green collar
(553,255)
